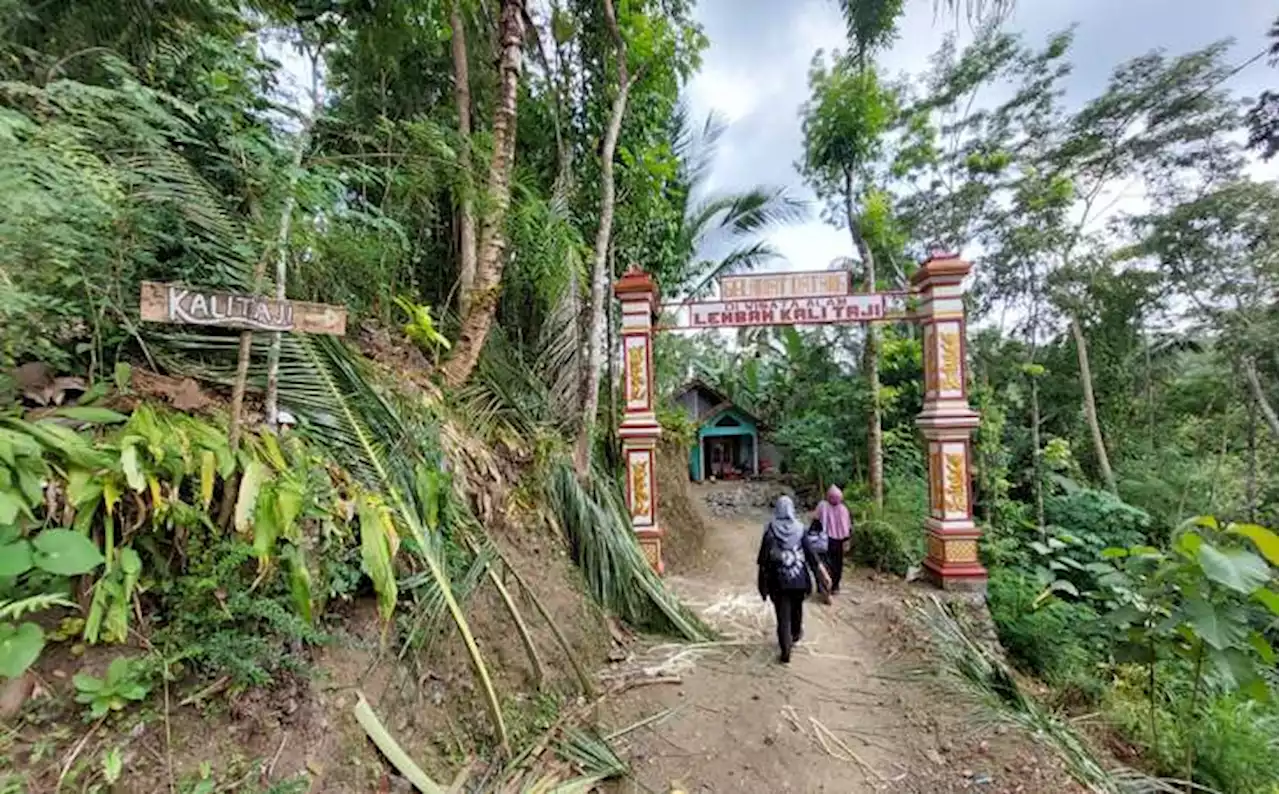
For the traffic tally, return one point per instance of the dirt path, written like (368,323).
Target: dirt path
(839,718)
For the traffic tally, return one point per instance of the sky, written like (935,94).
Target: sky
(755,74)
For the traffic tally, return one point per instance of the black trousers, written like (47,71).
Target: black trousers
(835,562)
(788,608)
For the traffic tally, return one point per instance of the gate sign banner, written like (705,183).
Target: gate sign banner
(784,285)
(856,308)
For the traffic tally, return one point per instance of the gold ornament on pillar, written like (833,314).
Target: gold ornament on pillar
(636,374)
(936,489)
(639,488)
(957,493)
(950,370)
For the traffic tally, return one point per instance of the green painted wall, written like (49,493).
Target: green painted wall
(743,426)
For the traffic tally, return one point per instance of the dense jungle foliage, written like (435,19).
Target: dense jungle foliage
(467,177)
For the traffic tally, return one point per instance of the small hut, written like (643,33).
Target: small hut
(727,445)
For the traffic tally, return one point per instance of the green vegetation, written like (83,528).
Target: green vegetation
(466,180)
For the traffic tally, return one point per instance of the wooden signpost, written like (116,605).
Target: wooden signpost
(175,303)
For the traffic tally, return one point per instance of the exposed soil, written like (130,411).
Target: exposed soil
(844,716)
(684,549)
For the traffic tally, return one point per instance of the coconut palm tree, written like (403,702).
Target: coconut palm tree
(723,232)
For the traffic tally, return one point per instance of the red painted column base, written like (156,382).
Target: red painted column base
(951,561)
(650,541)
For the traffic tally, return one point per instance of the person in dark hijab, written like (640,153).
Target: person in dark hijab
(785,559)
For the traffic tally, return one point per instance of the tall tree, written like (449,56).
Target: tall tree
(1218,252)
(600,270)
(843,123)
(466,205)
(1264,116)
(492,242)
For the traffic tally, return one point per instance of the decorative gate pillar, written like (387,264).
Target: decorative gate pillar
(639,430)
(951,559)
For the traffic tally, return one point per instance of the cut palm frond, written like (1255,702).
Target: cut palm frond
(618,576)
(964,667)
(590,753)
(431,611)
(390,748)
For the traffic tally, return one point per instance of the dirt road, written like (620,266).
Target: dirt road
(839,718)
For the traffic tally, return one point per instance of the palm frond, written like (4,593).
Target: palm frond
(695,146)
(739,260)
(598,529)
(743,214)
(967,669)
(592,754)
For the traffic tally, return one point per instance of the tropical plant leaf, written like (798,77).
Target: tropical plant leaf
(20,646)
(91,415)
(15,558)
(64,552)
(255,474)
(1265,540)
(1241,571)
(1216,627)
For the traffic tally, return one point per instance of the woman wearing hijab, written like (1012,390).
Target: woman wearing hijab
(820,544)
(784,561)
(834,516)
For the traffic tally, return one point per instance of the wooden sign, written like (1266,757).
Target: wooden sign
(855,308)
(174,303)
(808,284)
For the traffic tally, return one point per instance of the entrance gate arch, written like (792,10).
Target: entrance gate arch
(946,422)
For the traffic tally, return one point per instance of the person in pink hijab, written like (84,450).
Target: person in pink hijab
(834,516)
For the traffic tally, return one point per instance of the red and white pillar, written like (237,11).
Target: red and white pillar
(639,430)
(947,421)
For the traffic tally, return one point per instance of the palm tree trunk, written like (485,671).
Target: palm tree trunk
(600,271)
(492,247)
(466,207)
(1091,407)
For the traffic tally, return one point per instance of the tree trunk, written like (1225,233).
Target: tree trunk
(1037,458)
(600,271)
(272,406)
(1251,478)
(870,355)
(1091,407)
(466,205)
(492,247)
(1259,396)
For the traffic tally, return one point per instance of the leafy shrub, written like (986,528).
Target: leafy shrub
(884,546)
(126,681)
(1049,641)
(1232,739)
(891,538)
(1097,518)
(139,494)
(217,621)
